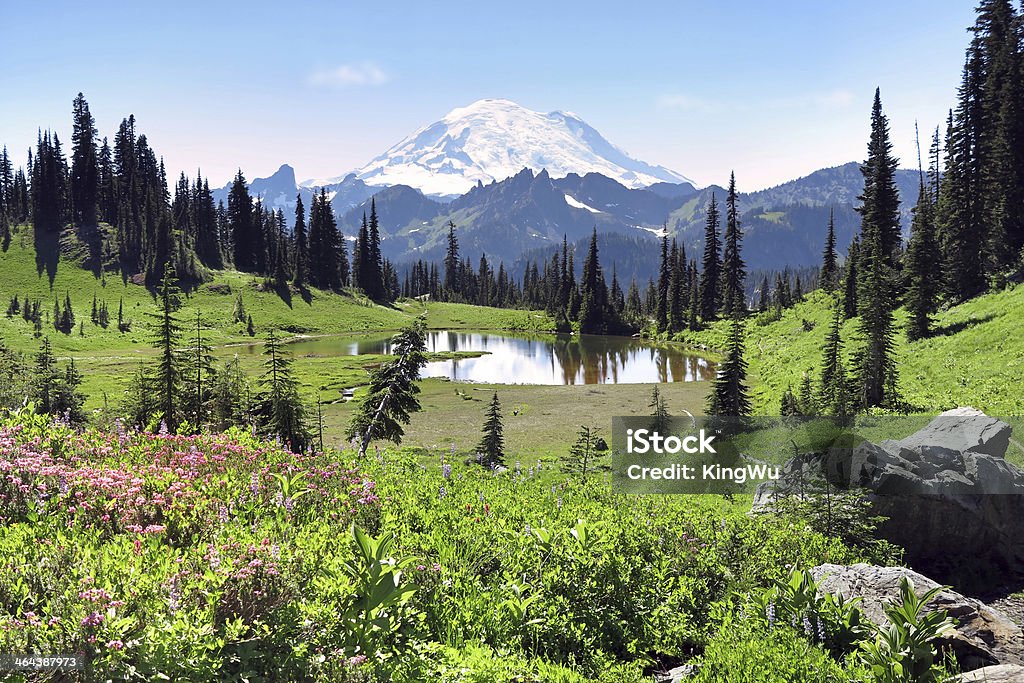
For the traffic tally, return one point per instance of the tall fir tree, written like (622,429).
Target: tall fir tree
(594,316)
(84,166)
(492,442)
(734,300)
(166,340)
(829,276)
(711,268)
(301,265)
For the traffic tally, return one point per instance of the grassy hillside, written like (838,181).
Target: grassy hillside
(975,357)
(108,357)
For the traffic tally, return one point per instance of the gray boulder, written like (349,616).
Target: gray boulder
(983,637)
(950,498)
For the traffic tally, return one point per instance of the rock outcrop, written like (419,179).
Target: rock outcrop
(951,499)
(983,637)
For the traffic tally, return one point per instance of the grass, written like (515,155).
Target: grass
(975,357)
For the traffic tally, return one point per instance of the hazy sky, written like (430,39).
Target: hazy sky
(773,90)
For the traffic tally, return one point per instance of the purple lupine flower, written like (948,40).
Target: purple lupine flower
(770,613)
(174,597)
(289,504)
(163,428)
(446,471)
(821,631)
(442,493)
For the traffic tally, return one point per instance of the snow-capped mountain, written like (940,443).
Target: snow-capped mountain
(494,139)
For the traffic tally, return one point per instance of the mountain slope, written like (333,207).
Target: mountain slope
(494,139)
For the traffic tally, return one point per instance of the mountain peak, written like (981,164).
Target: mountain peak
(493,139)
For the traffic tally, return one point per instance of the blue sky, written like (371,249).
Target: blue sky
(773,90)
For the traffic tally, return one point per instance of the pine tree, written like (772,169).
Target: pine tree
(876,287)
(84,167)
(584,457)
(167,375)
(829,260)
(729,395)
(880,200)
(492,443)
(301,266)
(659,412)
(451,265)
(198,377)
(45,379)
(922,266)
(734,300)
(594,315)
(391,396)
(241,225)
(677,289)
(328,259)
(374,277)
(664,284)
(834,395)
(279,409)
(712,265)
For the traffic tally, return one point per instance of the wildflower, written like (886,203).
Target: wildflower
(442,493)
(770,613)
(163,428)
(446,471)
(115,644)
(559,502)
(821,631)
(808,629)
(174,597)
(92,619)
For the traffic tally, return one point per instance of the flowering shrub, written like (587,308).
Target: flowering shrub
(208,558)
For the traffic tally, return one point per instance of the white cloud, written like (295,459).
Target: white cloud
(350,75)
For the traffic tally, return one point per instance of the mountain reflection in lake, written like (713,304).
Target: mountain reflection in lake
(545,359)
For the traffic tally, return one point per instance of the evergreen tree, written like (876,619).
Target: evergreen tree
(328,259)
(594,315)
(734,301)
(241,221)
(584,457)
(375,286)
(677,289)
(729,395)
(880,200)
(197,375)
(876,289)
(664,284)
(659,412)
(711,272)
(301,267)
(492,443)
(922,267)
(834,395)
(829,260)
(451,265)
(391,395)
(167,374)
(279,410)
(84,166)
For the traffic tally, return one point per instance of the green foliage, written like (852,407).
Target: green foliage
(746,653)
(796,603)
(903,651)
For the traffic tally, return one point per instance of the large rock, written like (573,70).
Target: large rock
(1004,673)
(950,498)
(984,636)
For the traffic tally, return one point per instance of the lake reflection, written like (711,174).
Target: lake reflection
(547,359)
